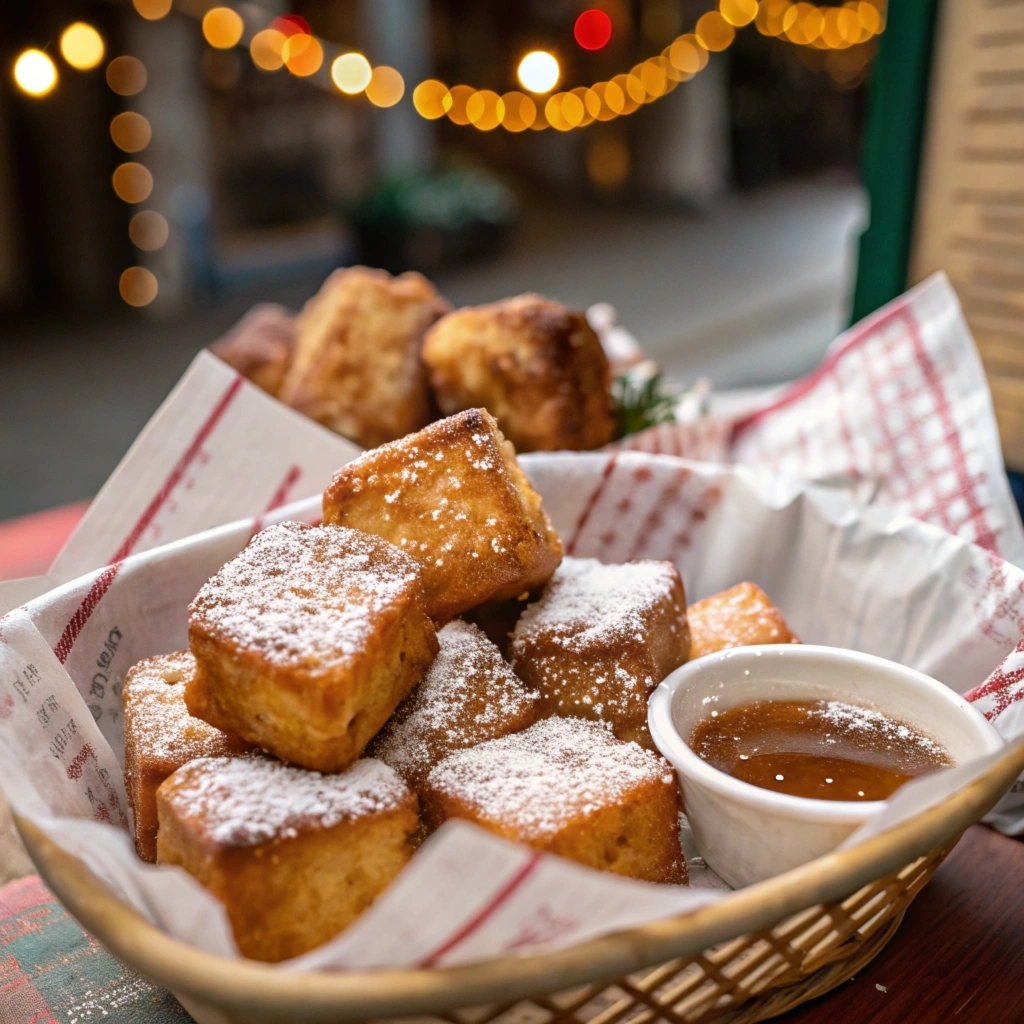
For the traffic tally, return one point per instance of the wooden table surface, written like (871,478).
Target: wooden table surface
(959,954)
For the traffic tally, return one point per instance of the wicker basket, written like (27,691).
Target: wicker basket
(759,953)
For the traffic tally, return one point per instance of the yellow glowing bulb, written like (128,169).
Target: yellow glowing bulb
(265,49)
(138,286)
(35,73)
(132,182)
(152,10)
(431,99)
(81,46)
(739,12)
(222,27)
(302,54)
(351,73)
(130,131)
(386,87)
(714,32)
(539,71)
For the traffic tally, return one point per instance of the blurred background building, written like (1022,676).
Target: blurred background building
(163,165)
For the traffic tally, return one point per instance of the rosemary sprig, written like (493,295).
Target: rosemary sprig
(642,402)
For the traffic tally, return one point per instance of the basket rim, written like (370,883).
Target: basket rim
(264,990)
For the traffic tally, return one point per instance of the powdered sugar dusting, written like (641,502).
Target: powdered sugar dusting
(247,801)
(600,616)
(468,695)
(541,779)
(849,719)
(158,727)
(588,603)
(303,594)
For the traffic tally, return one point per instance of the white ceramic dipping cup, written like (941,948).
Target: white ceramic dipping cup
(747,834)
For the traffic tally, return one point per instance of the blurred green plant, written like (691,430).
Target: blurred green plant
(642,402)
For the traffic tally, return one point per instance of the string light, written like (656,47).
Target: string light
(539,71)
(302,54)
(152,10)
(386,86)
(265,49)
(593,29)
(131,132)
(222,27)
(138,286)
(431,99)
(132,182)
(126,76)
(81,46)
(351,73)
(34,73)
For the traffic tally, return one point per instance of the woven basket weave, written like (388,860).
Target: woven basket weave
(799,935)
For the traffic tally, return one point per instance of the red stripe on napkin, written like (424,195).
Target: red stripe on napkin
(106,577)
(485,913)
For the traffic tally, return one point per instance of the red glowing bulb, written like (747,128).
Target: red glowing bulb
(593,29)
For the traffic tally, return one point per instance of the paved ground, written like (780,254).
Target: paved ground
(750,292)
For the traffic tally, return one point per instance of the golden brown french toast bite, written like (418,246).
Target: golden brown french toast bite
(260,346)
(567,786)
(452,496)
(160,736)
(601,638)
(357,366)
(307,641)
(742,616)
(535,365)
(468,695)
(294,856)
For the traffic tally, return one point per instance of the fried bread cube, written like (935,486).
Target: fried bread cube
(307,641)
(468,695)
(567,786)
(601,638)
(357,366)
(536,366)
(260,346)
(294,856)
(454,497)
(742,616)
(160,736)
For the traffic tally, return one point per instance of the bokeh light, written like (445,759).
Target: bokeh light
(126,75)
(629,92)
(148,230)
(303,55)
(714,32)
(553,113)
(265,49)
(593,29)
(608,162)
(351,71)
(485,110)
(653,80)
(431,99)
(291,24)
(138,286)
(132,182)
(34,73)
(222,27)
(152,10)
(539,71)
(456,104)
(738,12)
(520,111)
(386,86)
(81,46)
(130,132)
